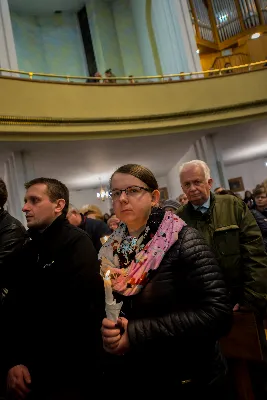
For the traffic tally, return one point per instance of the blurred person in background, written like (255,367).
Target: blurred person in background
(170,205)
(248,199)
(182,199)
(113,222)
(227,191)
(96,229)
(92,211)
(106,217)
(217,190)
(260,211)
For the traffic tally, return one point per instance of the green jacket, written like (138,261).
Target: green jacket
(232,232)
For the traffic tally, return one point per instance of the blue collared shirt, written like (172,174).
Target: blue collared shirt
(204,208)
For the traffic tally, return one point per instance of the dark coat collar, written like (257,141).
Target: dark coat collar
(50,232)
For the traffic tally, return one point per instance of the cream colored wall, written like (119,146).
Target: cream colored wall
(49,44)
(253,172)
(73,111)
(114,37)
(127,38)
(104,37)
(81,197)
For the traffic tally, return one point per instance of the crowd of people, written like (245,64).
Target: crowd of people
(143,310)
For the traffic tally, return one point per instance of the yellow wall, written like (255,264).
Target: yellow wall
(256,50)
(52,111)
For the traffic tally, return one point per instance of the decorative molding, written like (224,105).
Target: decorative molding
(47,121)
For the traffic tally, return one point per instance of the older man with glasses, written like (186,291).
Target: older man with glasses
(231,231)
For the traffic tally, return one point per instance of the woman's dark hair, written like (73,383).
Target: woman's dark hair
(140,172)
(248,194)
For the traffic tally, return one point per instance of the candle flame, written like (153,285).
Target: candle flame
(104,239)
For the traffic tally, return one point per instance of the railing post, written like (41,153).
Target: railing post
(30,75)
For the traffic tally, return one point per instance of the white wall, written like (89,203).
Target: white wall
(104,36)
(140,21)
(49,44)
(127,38)
(81,197)
(173,180)
(252,172)
(162,181)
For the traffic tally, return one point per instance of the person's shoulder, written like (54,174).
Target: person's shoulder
(12,224)
(228,198)
(74,232)
(97,225)
(95,222)
(226,201)
(181,209)
(188,234)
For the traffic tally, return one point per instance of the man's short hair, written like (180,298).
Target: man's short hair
(259,189)
(3,193)
(196,163)
(55,189)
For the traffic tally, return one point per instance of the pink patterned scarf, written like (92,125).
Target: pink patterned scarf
(130,280)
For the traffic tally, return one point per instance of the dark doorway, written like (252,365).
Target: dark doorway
(87,41)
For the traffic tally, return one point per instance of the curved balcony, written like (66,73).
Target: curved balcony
(62,110)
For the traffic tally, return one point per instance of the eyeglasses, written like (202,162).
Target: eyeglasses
(196,183)
(131,191)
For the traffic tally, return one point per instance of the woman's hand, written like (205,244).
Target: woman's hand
(115,336)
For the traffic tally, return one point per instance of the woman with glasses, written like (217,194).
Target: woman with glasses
(175,304)
(260,211)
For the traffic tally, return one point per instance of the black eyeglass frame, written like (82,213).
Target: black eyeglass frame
(129,187)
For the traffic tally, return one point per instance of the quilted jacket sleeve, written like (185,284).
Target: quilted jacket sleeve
(205,312)
(12,239)
(254,262)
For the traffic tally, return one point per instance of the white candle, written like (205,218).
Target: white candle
(108,288)
(104,239)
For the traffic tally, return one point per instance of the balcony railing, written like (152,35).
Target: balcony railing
(137,79)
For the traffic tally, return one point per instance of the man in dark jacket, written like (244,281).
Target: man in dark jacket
(12,237)
(96,229)
(56,305)
(230,229)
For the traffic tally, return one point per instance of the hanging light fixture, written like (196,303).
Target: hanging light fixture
(102,194)
(255,35)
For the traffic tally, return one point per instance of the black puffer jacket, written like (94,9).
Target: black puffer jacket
(177,319)
(261,219)
(12,238)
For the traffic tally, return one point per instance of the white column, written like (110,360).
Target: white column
(104,36)
(8,56)
(140,21)
(207,150)
(19,169)
(175,36)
